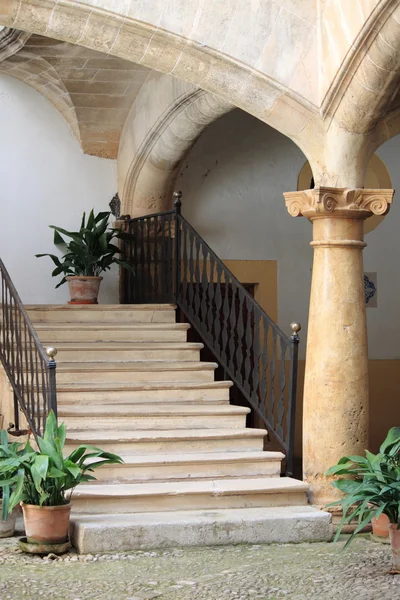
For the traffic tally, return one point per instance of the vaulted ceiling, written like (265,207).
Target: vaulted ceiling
(93,91)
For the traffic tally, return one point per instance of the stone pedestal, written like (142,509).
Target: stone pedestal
(335,418)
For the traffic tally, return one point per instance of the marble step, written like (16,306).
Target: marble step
(172,440)
(147,531)
(175,466)
(127,351)
(52,333)
(143,393)
(185,495)
(135,371)
(101,313)
(122,417)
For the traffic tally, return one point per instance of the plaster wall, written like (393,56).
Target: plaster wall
(45,179)
(233,180)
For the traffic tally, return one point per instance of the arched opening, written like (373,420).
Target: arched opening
(232,182)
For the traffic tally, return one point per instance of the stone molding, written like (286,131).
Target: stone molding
(352,203)
(11,41)
(175,116)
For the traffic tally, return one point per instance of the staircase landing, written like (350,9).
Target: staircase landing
(129,382)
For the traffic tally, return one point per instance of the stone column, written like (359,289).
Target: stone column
(335,418)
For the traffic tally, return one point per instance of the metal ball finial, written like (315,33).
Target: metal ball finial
(51,352)
(177,195)
(295,327)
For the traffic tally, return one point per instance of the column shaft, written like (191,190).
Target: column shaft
(335,418)
(335,407)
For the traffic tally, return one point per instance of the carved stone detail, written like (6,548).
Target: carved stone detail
(325,201)
(11,41)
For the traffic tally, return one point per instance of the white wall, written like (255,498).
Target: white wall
(233,180)
(44,179)
(382,255)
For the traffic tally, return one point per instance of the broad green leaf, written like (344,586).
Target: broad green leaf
(17,493)
(347,485)
(5,502)
(72,468)
(48,449)
(58,240)
(393,437)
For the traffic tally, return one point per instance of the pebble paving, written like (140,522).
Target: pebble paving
(264,572)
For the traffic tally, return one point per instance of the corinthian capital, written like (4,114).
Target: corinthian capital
(326,201)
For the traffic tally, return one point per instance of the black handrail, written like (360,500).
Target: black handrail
(30,368)
(174,264)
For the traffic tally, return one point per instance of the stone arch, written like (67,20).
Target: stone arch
(11,41)
(154,141)
(354,111)
(337,135)
(39,74)
(246,86)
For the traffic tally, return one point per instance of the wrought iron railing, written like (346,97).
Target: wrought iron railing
(30,368)
(172,263)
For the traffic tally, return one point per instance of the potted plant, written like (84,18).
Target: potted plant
(371,488)
(90,252)
(44,480)
(8,472)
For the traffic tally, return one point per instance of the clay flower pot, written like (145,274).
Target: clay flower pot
(83,290)
(7,527)
(394,535)
(48,524)
(380,526)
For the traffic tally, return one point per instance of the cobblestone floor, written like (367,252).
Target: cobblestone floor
(294,572)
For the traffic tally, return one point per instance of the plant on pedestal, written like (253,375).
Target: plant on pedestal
(90,252)
(43,480)
(371,488)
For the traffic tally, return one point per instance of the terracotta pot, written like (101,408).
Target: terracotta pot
(394,535)
(83,290)
(7,527)
(380,526)
(46,523)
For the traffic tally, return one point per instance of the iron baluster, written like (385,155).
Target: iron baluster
(249,345)
(217,311)
(24,360)
(295,340)
(51,353)
(280,409)
(177,204)
(239,333)
(175,264)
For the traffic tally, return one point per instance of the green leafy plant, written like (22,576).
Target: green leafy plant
(371,485)
(91,249)
(11,456)
(44,477)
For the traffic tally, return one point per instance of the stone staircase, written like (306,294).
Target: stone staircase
(128,381)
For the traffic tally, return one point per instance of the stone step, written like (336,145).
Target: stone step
(184,495)
(135,371)
(148,467)
(52,333)
(172,440)
(102,313)
(143,393)
(127,351)
(147,531)
(122,417)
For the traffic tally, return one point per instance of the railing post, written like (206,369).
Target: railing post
(16,412)
(51,353)
(177,205)
(295,339)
